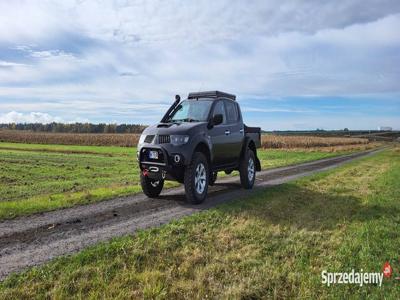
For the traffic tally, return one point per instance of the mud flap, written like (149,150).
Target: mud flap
(258,164)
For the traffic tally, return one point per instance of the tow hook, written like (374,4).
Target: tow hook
(154,169)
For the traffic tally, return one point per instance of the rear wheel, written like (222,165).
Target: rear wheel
(196,179)
(248,170)
(151,187)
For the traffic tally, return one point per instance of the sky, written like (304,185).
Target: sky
(294,65)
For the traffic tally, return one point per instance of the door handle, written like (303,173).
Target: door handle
(241,130)
(227,132)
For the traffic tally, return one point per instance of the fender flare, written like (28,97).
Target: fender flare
(248,143)
(200,141)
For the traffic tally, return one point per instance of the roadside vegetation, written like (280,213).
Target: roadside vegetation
(36,178)
(273,244)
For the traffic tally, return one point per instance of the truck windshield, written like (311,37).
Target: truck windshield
(191,111)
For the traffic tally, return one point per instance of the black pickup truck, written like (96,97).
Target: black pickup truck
(195,139)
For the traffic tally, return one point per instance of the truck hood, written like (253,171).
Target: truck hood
(184,128)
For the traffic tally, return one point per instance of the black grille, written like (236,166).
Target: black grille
(148,138)
(163,139)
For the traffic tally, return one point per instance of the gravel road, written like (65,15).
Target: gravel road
(33,240)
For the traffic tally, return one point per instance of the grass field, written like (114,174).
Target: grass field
(274,244)
(35,178)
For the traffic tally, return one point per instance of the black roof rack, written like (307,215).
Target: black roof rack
(211,94)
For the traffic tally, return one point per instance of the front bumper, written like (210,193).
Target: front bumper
(168,165)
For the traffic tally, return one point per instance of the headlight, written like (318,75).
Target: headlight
(141,139)
(179,139)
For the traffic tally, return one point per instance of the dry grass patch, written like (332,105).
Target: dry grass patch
(83,139)
(286,142)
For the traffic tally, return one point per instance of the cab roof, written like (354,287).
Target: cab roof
(211,94)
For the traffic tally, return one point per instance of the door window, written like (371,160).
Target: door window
(220,109)
(231,111)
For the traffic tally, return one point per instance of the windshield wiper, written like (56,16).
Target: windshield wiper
(185,120)
(173,121)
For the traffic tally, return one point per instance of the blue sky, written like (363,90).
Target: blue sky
(293,64)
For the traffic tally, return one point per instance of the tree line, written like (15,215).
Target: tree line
(75,127)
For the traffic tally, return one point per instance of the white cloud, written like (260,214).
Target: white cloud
(351,60)
(8,64)
(189,22)
(34,117)
(85,106)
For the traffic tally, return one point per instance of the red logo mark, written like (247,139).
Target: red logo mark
(387,270)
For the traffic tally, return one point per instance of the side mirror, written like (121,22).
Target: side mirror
(217,119)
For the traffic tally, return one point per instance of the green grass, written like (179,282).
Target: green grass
(274,244)
(36,178)
(272,158)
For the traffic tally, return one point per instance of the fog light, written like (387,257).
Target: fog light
(177,158)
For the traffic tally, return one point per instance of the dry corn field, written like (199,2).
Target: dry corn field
(84,139)
(277,141)
(129,140)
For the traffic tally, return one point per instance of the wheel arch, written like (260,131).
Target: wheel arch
(203,148)
(250,144)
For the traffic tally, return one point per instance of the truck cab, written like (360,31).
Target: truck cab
(197,138)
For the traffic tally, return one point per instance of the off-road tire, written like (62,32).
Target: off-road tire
(246,180)
(213,178)
(149,188)
(191,189)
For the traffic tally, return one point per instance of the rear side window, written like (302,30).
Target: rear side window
(220,109)
(231,112)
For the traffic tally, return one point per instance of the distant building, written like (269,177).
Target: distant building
(384,128)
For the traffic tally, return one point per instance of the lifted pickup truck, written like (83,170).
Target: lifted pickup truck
(195,139)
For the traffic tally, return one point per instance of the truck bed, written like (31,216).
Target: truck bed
(254,133)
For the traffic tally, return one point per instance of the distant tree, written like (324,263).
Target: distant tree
(76,127)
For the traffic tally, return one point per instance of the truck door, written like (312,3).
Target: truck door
(218,137)
(234,131)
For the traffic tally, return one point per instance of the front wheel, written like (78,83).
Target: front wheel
(196,179)
(248,170)
(151,187)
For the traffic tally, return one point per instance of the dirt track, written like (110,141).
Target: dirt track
(33,240)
